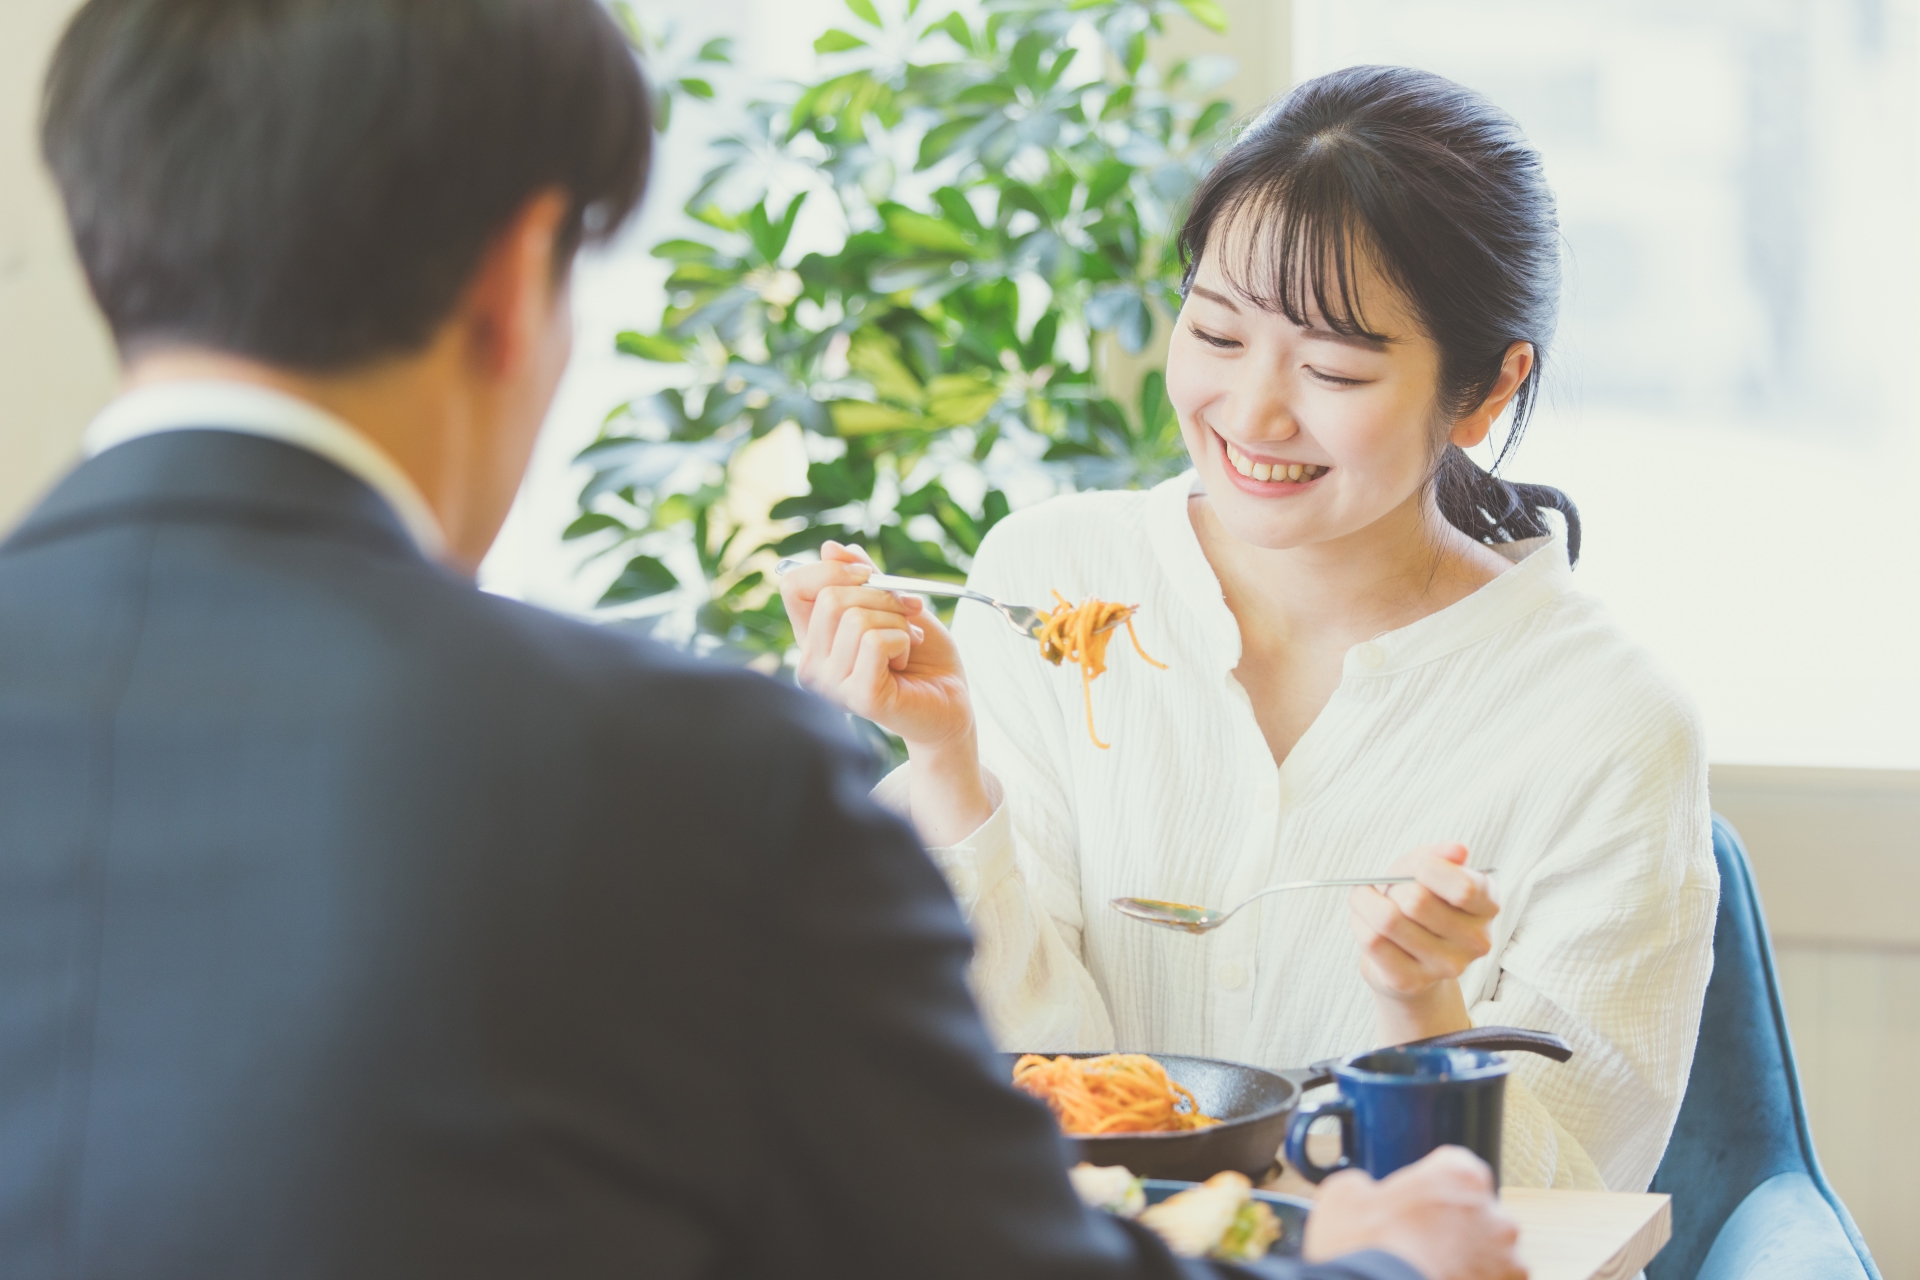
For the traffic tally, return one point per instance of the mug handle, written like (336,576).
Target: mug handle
(1297,1138)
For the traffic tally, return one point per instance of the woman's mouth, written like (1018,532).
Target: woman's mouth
(1272,472)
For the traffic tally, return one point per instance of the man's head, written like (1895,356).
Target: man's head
(336,191)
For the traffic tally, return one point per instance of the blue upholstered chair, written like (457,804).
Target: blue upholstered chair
(1749,1200)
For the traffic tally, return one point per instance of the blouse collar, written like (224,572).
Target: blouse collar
(1540,574)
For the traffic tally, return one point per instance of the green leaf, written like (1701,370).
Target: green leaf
(1107,181)
(956,27)
(685,251)
(1208,13)
(961,399)
(1211,117)
(863,10)
(861,418)
(958,209)
(718,49)
(650,346)
(1024,62)
(1155,409)
(697,87)
(993,509)
(718,218)
(925,232)
(591,523)
(805,505)
(942,140)
(838,41)
(875,356)
(1060,64)
(643,577)
(675,508)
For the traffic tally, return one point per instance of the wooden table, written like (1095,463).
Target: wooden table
(1566,1235)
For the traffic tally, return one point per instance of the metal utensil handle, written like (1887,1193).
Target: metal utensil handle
(892,582)
(1499,1039)
(926,587)
(1506,1039)
(1354,882)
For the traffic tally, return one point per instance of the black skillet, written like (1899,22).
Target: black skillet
(1254,1106)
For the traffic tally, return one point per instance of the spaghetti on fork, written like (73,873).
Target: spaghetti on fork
(1079,633)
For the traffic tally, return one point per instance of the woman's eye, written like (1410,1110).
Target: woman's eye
(1332,379)
(1211,339)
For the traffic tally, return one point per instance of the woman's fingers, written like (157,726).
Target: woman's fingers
(800,588)
(870,685)
(1433,913)
(1384,964)
(1434,937)
(845,553)
(1440,872)
(832,604)
(833,644)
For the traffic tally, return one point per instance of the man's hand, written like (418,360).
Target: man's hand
(1440,1215)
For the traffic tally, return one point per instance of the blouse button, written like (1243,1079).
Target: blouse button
(1232,976)
(964,880)
(1370,654)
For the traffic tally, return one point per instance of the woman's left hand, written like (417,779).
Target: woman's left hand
(1417,939)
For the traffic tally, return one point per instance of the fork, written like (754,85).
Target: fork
(1027,621)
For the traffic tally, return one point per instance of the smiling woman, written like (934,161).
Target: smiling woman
(1377,665)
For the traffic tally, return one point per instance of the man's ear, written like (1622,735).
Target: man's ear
(1478,424)
(514,291)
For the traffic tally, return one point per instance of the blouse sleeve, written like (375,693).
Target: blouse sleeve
(1612,951)
(1017,878)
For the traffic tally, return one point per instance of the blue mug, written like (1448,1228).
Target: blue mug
(1396,1105)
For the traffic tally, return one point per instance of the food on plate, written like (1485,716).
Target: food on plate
(1113,1093)
(1079,633)
(1217,1219)
(1111,1187)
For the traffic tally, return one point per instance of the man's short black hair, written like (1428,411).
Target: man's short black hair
(312,183)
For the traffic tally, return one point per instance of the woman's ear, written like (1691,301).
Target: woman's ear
(1477,425)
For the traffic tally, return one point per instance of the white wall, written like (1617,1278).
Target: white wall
(56,363)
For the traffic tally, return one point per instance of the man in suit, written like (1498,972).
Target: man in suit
(356,924)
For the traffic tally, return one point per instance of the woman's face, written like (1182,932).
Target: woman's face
(1300,435)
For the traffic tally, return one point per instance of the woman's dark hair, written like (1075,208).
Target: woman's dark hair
(1440,191)
(312,183)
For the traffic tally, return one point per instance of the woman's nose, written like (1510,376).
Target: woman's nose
(1255,410)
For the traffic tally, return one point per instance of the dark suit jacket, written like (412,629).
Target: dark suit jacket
(357,924)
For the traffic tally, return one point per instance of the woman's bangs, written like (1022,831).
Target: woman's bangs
(1297,247)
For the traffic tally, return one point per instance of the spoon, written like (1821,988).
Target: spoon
(1027,621)
(1179,915)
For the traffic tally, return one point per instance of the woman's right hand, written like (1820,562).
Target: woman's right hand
(879,655)
(886,657)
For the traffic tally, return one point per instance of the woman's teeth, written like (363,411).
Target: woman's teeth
(1295,472)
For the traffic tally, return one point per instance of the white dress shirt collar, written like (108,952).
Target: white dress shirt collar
(218,405)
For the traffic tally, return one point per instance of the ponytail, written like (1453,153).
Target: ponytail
(1491,510)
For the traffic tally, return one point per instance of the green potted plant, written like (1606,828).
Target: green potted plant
(1009,188)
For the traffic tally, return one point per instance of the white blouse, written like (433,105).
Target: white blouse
(1518,722)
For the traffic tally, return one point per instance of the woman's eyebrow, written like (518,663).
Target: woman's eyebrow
(1359,340)
(1220,298)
